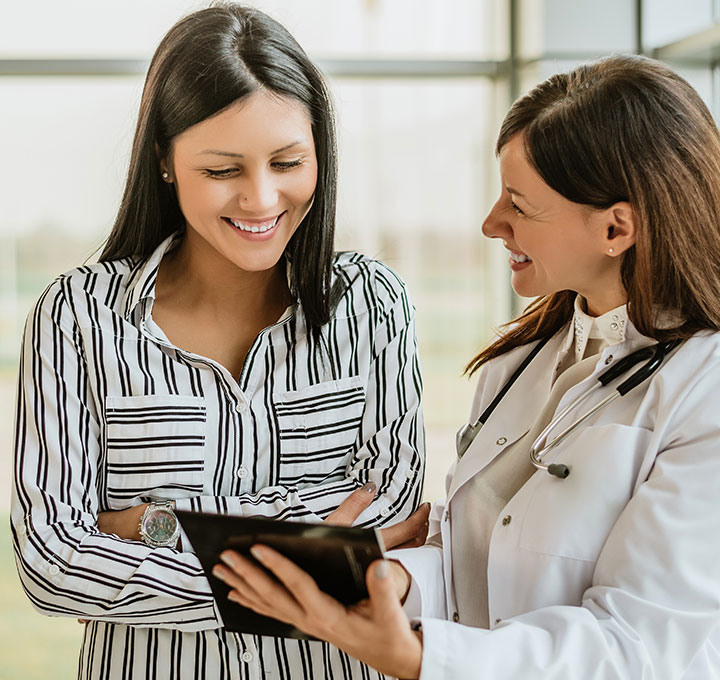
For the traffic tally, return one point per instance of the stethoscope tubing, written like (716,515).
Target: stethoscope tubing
(653,355)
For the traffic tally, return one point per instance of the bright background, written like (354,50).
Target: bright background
(420,87)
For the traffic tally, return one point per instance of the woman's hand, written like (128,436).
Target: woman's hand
(122,523)
(409,533)
(376,630)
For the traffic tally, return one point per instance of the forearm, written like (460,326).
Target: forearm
(70,569)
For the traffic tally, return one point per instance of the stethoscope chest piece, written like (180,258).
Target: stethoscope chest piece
(465,436)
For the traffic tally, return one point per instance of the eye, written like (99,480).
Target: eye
(220,174)
(516,209)
(283,166)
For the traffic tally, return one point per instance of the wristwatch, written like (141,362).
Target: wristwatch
(159,527)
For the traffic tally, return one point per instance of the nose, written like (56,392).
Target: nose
(258,192)
(496,224)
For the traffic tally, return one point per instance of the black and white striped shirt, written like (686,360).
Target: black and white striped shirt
(110,413)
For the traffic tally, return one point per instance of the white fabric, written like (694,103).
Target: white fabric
(610,574)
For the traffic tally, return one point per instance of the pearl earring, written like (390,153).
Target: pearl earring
(165,175)
(611,250)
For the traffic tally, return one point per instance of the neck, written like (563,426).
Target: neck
(198,275)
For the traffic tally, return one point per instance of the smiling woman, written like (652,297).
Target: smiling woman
(220,357)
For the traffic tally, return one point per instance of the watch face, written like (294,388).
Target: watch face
(160,526)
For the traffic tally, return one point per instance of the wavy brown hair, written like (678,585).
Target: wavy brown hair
(628,128)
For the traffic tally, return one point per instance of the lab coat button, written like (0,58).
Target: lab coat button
(456,617)
(506,520)
(247,657)
(609,359)
(501,441)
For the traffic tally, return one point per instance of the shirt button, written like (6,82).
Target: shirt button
(385,512)
(609,360)
(247,657)
(241,407)
(501,441)
(22,530)
(456,617)
(506,520)
(242,472)
(410,473)
(53,570)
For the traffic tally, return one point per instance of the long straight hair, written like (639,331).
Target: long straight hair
(628,128)
(206,62)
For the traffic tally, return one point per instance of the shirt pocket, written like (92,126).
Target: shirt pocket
(155,447)
(573,517)
(318,427)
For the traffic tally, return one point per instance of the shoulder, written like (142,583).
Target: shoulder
(97,280)
(369,284)
(697,360)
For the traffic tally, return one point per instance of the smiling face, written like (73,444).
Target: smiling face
(245,180)
(556,244)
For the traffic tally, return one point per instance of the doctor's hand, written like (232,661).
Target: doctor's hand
(409,533)
(375,631)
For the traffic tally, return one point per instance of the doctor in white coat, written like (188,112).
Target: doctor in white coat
(610,210)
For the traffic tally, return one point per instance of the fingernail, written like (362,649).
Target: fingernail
(370,488)
(232,595)
(218,573)
(381,571)
(229,558)
(258,554)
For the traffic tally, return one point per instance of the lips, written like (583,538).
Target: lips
(254,226)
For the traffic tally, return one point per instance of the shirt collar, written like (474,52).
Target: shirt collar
(613,327)
(609,327)
(142,279)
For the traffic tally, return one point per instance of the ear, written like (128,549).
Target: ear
(165,168)
(619,228)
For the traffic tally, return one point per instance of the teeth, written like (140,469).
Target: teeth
(516,257)
(254,229)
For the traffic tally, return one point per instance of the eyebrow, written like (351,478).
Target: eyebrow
(232,154)
(510,190)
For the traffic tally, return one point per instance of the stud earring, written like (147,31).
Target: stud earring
(611,250)
(165,175)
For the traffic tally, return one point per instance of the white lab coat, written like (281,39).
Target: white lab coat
(612,573)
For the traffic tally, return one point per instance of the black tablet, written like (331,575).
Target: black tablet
(336,557)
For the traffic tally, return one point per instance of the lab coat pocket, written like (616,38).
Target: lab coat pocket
(155,447)
(572,517)
(318,427)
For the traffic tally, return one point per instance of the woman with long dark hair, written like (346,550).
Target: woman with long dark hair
(220,357)
(580,534)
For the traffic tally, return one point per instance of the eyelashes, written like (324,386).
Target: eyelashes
(516,209)
(223,173)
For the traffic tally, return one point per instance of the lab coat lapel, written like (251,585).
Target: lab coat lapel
(514,415)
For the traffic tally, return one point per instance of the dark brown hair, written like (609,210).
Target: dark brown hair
(206,62)
(628,128)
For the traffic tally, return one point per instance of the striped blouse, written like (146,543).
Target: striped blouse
(110,413)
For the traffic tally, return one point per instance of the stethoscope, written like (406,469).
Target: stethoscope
(653,355)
